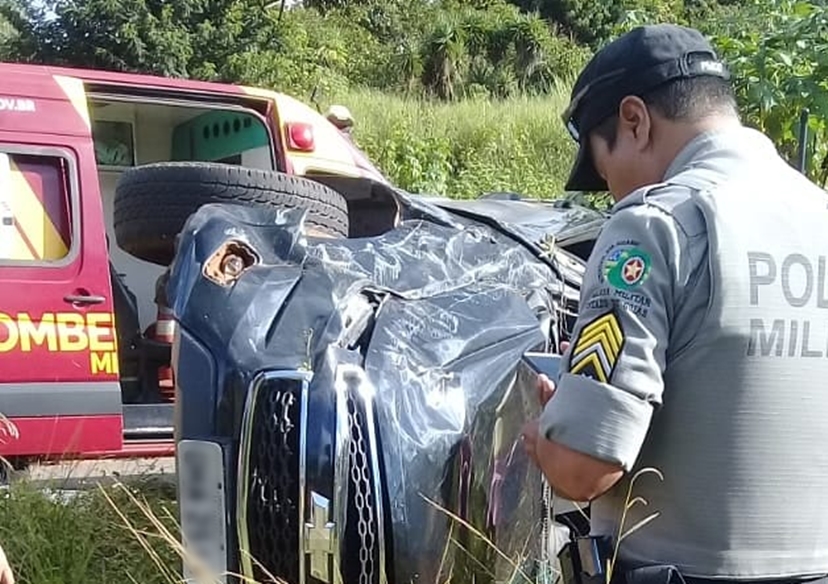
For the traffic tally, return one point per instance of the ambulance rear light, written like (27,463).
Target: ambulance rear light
(300,136)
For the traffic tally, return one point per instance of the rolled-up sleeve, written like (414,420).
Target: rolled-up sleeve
(612,374)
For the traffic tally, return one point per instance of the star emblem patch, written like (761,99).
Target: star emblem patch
(626,268)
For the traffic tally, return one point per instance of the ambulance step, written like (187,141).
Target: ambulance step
(148,421)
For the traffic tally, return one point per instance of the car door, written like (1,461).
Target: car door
(59,389)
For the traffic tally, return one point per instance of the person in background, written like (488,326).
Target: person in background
(340,116)
(701,345)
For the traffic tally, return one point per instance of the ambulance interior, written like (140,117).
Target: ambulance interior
(128,132)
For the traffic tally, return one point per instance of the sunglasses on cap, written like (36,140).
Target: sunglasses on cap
(568,116)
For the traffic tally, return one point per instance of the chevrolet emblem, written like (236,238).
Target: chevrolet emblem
(320,539)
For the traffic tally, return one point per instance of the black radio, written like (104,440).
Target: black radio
(585,560)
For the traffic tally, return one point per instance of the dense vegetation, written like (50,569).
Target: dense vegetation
(459,61)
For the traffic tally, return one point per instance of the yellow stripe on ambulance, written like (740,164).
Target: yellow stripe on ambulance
(33,219)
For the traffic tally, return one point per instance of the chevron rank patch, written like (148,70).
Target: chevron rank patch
(597,348)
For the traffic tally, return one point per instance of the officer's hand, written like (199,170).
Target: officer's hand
(546,389)
(6,576)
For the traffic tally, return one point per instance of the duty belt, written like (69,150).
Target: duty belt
(587,559)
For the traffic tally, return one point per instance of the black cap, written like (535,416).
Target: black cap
(633,64)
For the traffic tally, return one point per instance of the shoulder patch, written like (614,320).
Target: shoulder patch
(596,350)
(624,265)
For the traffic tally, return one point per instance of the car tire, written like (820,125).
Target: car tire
(153,202)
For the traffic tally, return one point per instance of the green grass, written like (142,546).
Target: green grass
(467,148)
(84,539)
(130,534)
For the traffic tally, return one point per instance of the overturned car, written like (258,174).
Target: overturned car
(348,409)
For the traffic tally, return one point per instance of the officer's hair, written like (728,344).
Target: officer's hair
(685,100)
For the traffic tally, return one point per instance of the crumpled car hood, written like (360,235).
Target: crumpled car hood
(530,220)
(438,316)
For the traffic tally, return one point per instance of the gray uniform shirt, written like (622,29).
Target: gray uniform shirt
(700,350)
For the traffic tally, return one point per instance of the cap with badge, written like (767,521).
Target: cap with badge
(633,64)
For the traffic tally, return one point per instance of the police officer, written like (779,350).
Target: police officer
(701,345)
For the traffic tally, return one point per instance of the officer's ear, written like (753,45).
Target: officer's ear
(634,120)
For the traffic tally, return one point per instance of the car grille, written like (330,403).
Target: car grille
(272,490)
(361,531)
(272,507)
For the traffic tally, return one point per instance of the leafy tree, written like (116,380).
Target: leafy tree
(6,30)
(776,49)
(497,51)
(594,23)
(186,38)
(312,53)
(589,22)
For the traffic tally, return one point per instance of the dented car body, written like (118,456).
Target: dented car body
(348,409)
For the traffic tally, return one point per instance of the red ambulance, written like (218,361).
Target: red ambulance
(84,346)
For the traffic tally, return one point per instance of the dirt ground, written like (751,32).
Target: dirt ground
(82,474)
